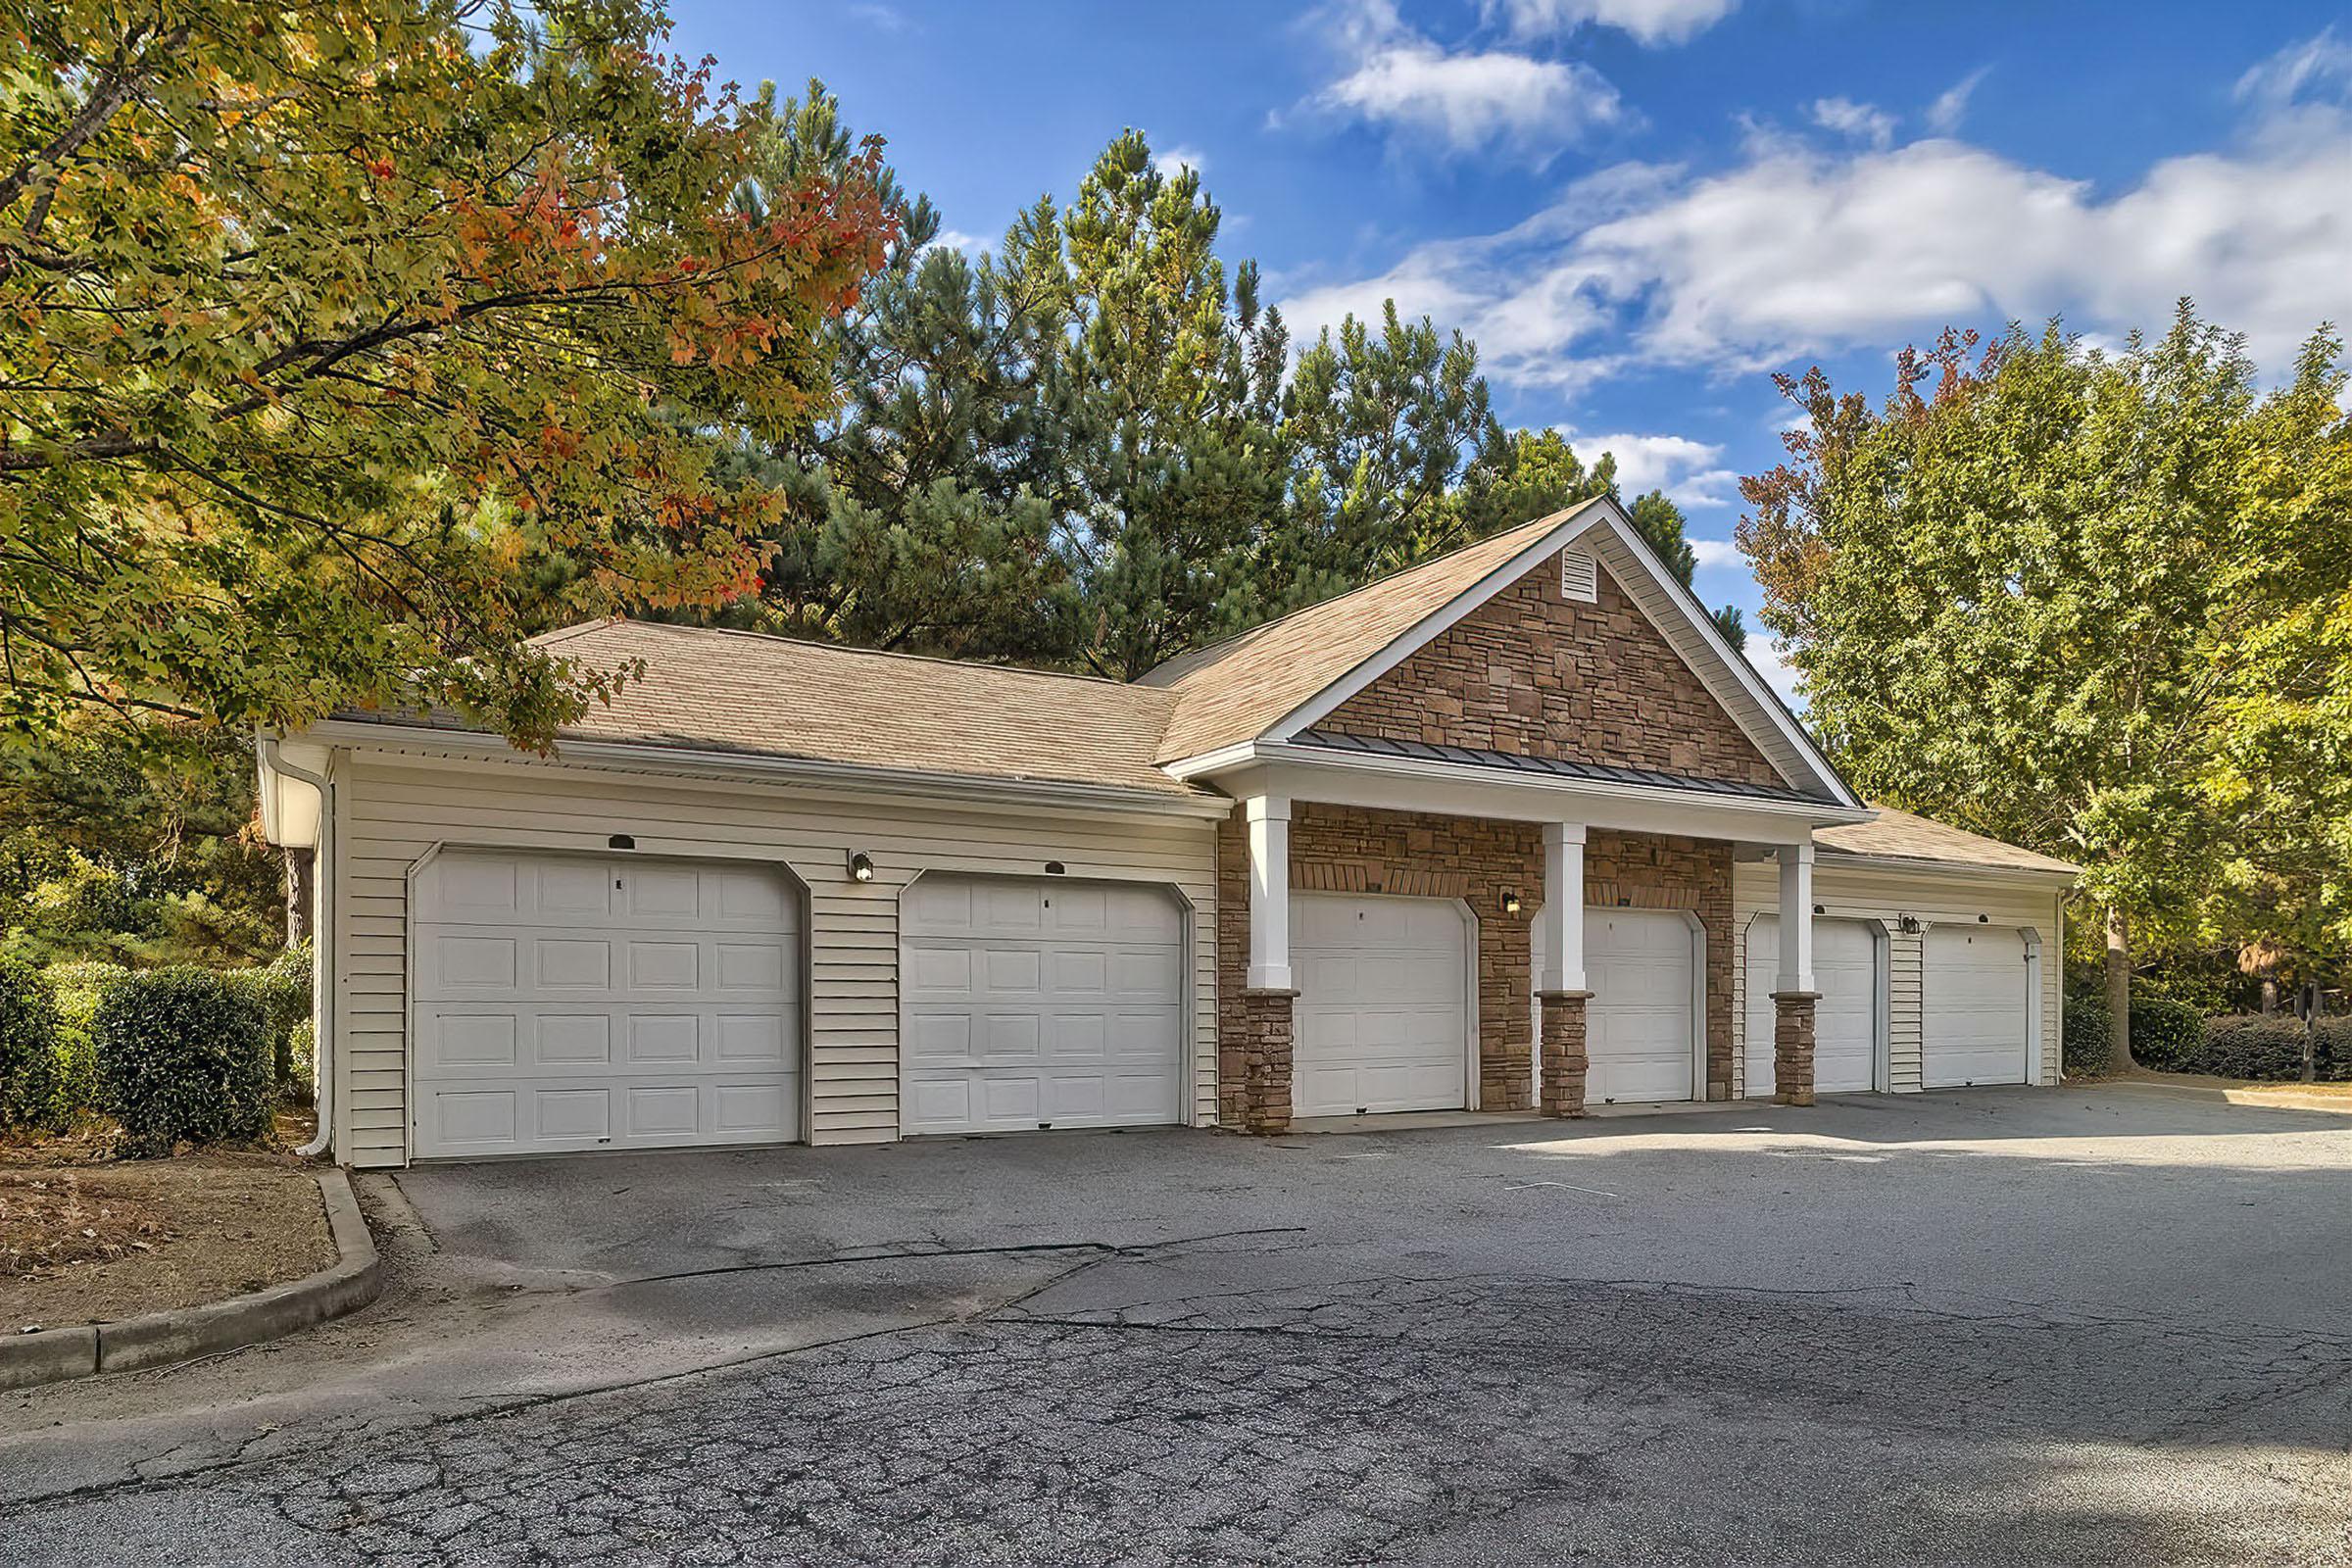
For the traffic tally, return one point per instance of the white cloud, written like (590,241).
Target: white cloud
(1863,121)
(956,239)
(1764,652)
(2321,65)
(1652,21)
(1688,470)
(1798,250)
(1176,160)
(1951,105)
(1715,555)
(887,18)
(1461,101)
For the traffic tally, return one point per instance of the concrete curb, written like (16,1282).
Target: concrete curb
(159,1339)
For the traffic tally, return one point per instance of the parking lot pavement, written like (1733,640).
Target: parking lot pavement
(2039,1327)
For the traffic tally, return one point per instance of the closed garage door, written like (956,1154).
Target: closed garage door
(1031,1001)
(1642,1025)
(601,1002)
(1845,1020)
(1383,1014)
(1975,1007)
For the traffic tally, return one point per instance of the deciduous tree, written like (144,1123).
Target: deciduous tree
(2090,603)
(340,342)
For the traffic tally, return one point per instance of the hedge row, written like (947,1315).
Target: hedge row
(2271,1047)
(181,1054)
(2173,1037)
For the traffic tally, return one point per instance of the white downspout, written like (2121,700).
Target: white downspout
(323,930)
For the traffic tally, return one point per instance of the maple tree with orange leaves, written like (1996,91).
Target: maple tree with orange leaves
(343,345)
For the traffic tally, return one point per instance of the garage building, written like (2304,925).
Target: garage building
(1511,830)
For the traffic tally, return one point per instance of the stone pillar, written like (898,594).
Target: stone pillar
(1268,1030)
(1793,1046)
(1563,1052)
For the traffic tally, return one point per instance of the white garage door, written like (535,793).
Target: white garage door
(1845,1020)
(1383,1012)
(571,1002)
(1642,1025)
(1975,1005)
(1032,1002)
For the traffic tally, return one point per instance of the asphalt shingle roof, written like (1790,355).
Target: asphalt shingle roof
(1237,689)
(728,690)
(1902,835)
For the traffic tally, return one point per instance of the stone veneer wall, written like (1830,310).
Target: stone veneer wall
(1535,674)
(1349,850)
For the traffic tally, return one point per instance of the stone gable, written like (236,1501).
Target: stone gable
(1534,675)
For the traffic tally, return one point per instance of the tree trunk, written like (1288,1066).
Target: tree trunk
(2119,990)
(2269,997)
(2311,1032)
(298,894)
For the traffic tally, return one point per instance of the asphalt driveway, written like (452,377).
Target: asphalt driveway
(2017,1326)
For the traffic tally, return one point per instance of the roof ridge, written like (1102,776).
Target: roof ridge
(1191,656)
(846,649)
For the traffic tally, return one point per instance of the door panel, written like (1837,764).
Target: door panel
(1383,1010)
(576,1002)
(1974,1006)
(1034,1002)
(1641,1026)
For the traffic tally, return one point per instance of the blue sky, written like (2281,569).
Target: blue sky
(1639,208)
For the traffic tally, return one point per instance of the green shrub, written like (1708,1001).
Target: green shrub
(2086,1036)
(282,987)
(79,988)
(2270,1048)
(302,1088)
(29,1065)
(2166,1034)
(183,1055)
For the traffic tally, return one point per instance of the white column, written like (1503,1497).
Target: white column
(1560,963)
(1796,917)
(1269,821)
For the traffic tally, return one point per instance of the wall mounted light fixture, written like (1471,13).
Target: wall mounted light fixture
(622,841)
(1908,924)
(1510,904)
(862,866)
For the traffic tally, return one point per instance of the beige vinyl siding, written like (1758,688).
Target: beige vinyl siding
(1885,894)
(395,807)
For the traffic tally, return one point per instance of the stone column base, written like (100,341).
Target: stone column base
(1268,1031)
(1563,1052)
(1793,1046)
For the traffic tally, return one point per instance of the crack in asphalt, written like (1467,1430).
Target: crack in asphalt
(944,1249)
(489,1406)
(1395,1414)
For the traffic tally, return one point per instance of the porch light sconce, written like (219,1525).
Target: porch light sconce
(862,866)
(1908,924)
(1984,919)
(1821,909)
(1510,904)
(1054,868)
(622,841)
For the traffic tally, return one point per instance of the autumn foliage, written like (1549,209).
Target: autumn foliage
(346,344)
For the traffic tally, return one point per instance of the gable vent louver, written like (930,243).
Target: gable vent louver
(1580,576)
